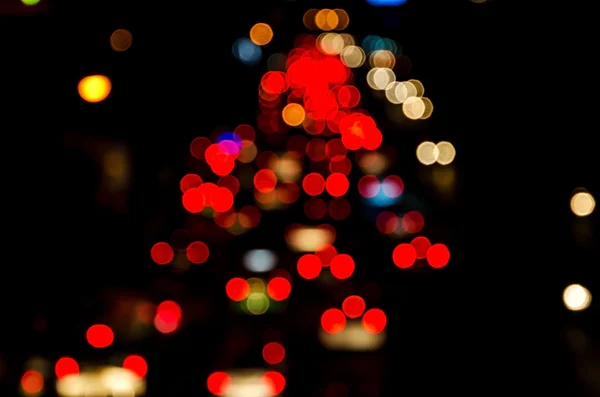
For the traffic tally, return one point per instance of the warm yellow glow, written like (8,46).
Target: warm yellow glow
(413,108)
(293,114)
(353,56)
(94,88)
(107,381)
(577,297)
(308,239)
(582,204)
(380,78)
(445,153)
(261,34)
(352,338)
(426,153)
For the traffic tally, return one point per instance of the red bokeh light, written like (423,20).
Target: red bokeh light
(342,266)
(136,364)
(413,222)
(421,245)
(404,255)
(237,289)
(275,382)
(309,266)
(218,383)
(32,382)
(273,353)
(168,317)
(438,256)
(100,336)
(66,366)
(197,252)
(313,184)
(354,306)
(162,253)
(374,321)
(337,184)
(333,321)
(279,288)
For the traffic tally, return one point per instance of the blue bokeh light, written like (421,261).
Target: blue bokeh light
(230,136)
(386,3)
(246,51)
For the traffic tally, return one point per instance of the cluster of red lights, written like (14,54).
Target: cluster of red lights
(341,266)
(373,321)
(405,255)
(279,288)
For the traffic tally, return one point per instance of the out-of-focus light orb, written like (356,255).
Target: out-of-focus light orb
(246,51)
(353,56)
(293,114)
(94,88)
(582,204)
(121,40)
(257,303)
(30,2)
(327,19)
(445,153)
(576,297)
(261,34)
(260,260)
(386,3)
(380,78)
(330,43)
(427,153)
(413,108)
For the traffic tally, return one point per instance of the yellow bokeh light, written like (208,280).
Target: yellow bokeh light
(353,56)
(327,19)
(343,19)
(261,34)
(309,19)
(380,78)
(445,153)
(94,88)
(427,153)
(418,86)
(293,114)
(582,204)
(413,108)
(428,108)
(576,297)
(330,43)
(121,40)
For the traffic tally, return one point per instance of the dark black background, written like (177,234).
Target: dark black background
(506,84)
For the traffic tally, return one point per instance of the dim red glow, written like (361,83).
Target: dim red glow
(32,382)
(354,306)
(326,254)
(136,364)
(313,184)
(413,222)
(333,321)
(100,336)
(218,383)
(66,366)
(189,181)
(168,317)
(342,266)
(315,208)
(197,252)
(275,382)
(265,180)
(404,255)
(279,288)
(309,266)
(421,245)
(387,222)
(374,321)
(273,353)
(161,253)
(438,256)
(237,289)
